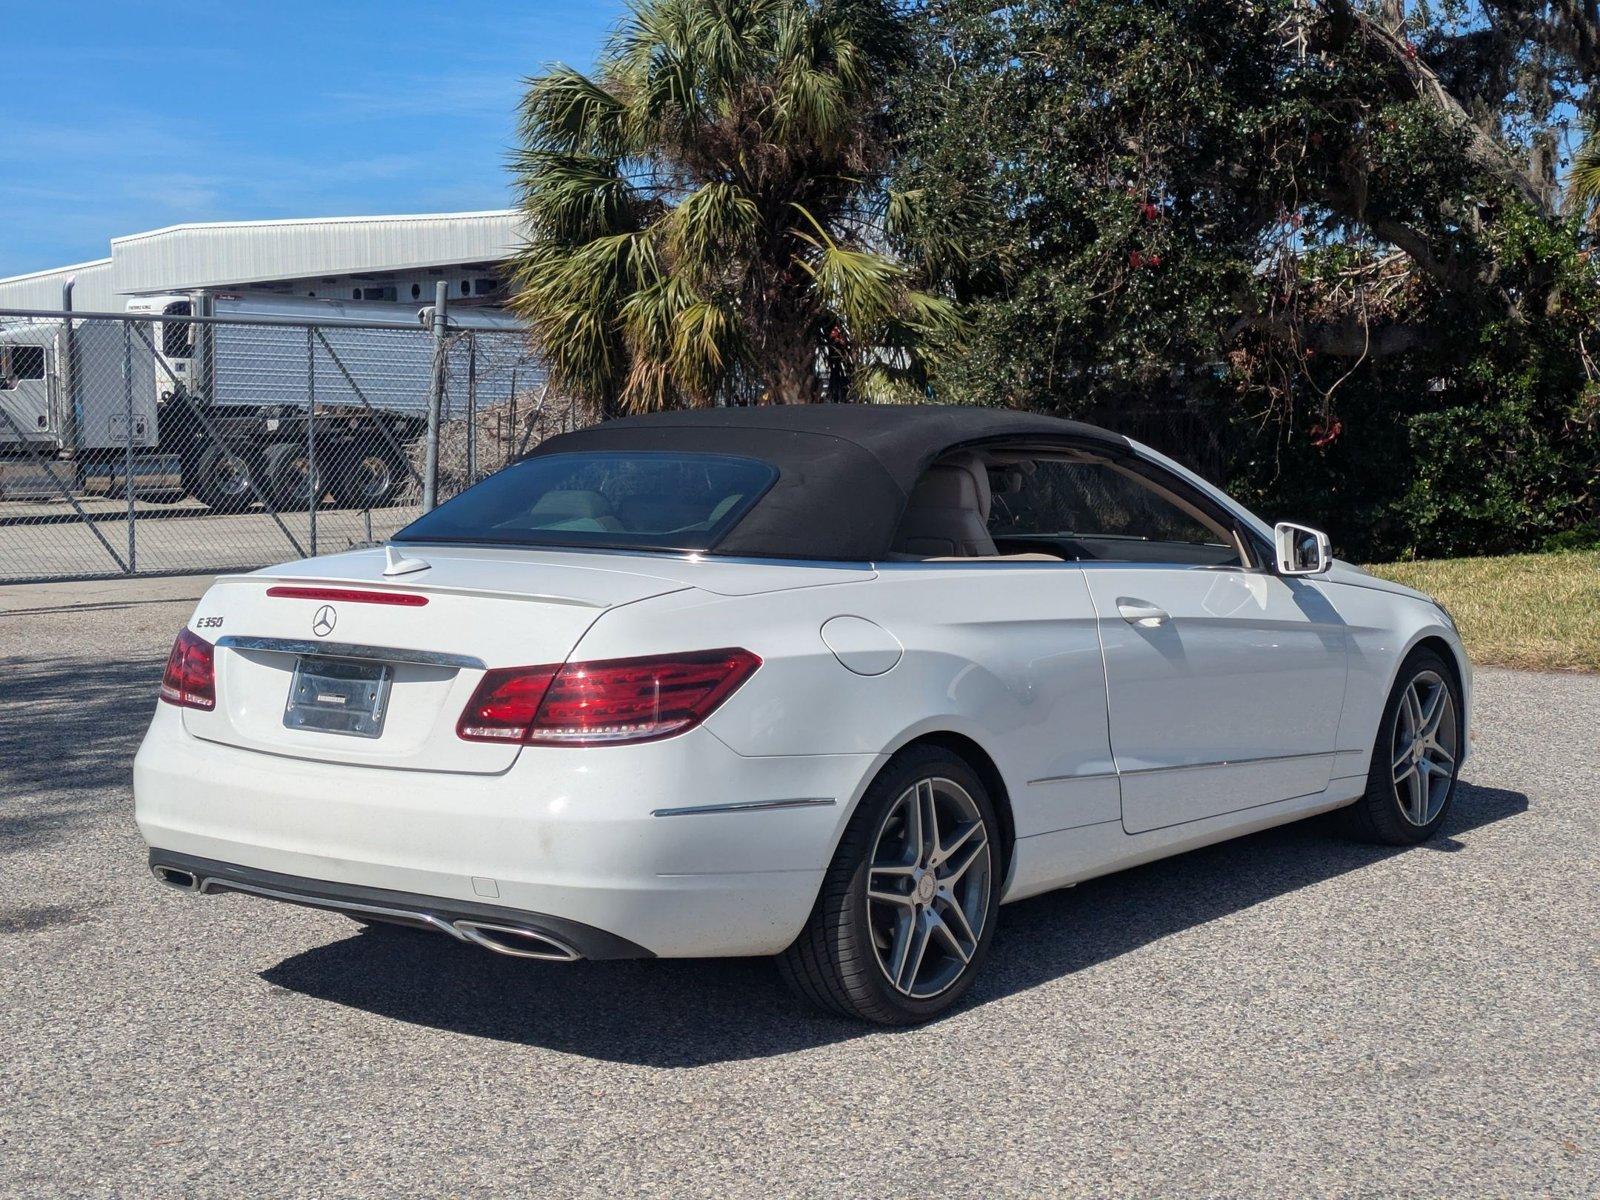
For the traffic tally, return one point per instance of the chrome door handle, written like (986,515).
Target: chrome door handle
(1142,612)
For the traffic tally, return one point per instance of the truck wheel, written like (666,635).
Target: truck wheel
(220,479)
(372,478)
(286,469)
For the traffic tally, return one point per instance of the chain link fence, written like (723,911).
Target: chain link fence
(147,444)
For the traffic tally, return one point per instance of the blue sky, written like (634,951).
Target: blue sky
(125,116)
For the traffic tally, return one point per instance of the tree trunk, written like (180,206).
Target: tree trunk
(788,361)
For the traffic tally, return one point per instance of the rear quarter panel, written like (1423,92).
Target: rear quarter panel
(1007,656)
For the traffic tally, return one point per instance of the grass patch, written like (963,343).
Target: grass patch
(1539,611)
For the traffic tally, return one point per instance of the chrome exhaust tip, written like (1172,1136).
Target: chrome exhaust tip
(518,943)
(174,877)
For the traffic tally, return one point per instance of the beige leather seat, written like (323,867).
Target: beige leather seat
(948,513)
(578,511)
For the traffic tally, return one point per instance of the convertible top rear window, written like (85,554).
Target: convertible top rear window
(622,500)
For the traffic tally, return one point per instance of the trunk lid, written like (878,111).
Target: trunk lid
(392,658)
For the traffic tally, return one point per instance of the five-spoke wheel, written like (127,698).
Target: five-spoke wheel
(907,907)
(1424,747)
(1413,773)
(928,887)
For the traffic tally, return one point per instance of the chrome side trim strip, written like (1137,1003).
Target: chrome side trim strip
(1200,766)
(210,884)
(1073,778)
(426,658)
(746,806)
(1230,762)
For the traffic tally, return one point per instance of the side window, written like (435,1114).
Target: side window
(27,362)
(1092,510)
(18,363)
(176,339)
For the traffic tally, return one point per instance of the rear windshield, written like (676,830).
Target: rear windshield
(635,500)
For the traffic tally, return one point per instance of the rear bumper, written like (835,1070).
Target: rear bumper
(564,835)
(542,936)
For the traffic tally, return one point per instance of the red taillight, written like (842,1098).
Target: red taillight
(349,596)
(505,704)
(604,703)
(190,680)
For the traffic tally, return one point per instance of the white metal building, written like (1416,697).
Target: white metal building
(42,289)
(396,258)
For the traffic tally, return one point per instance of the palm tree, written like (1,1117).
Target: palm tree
(707,216)
(1585,179)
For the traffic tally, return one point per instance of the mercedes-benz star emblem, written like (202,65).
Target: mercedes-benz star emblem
(322,624)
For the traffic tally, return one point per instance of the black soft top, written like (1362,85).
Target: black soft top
(845,471)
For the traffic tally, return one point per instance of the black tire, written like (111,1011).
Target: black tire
(220,479)
(839,960)
(1388,811)
(369,476)
(286,472)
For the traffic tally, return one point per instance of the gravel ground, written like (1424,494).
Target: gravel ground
(1289,1014)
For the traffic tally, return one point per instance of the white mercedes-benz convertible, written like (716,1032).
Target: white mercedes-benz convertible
(830,683)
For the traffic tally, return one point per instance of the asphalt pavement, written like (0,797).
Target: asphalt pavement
(50,541)
(1290,1014)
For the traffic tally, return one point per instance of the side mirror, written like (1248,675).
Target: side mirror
(1301,551)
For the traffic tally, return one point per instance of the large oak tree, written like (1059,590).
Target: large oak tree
(1324,248)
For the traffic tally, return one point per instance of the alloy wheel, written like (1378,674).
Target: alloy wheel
(1425,747)
(928,887)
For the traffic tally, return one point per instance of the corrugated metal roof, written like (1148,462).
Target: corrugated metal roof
(231,253)
(42,289)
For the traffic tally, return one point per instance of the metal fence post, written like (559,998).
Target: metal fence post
(472,409)
(313,494)
(69,414)
(430,473)
(127,441)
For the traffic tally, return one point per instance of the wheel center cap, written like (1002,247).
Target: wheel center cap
(926,886)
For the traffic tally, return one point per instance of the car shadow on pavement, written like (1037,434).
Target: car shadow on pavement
(681,1013)
(68,732)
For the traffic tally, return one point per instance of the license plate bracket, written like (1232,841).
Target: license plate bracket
(338,695)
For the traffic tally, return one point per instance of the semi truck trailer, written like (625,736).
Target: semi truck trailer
(221,411)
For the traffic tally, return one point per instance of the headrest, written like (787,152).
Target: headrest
(1006,480)
(961,481)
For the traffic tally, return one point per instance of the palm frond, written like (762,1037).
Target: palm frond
(1585,178)
(573,197)
(708,339)
(566,111)
(710,227)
